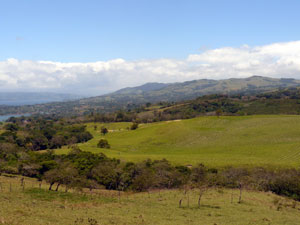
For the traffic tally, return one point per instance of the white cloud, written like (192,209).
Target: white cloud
(274,60)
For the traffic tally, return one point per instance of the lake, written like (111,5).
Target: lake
(5,117)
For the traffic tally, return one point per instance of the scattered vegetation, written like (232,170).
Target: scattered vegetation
(35,205)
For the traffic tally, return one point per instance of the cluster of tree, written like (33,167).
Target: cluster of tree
(40,133)
(80,169)
(291,93)
(103,143)
(285,101)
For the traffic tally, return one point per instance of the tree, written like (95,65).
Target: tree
(105,174)
(103,143)
(237,178)
(134,126)
(199,177)
(52,176)
(202,189)
(104,130)
(57,141)
(69,177)
(144,179)
(219,112)
(11,127)
(39,142)
(65,174)
(1,168)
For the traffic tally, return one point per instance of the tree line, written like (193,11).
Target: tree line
(81,169)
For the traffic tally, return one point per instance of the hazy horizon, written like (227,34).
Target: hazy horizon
(78,96)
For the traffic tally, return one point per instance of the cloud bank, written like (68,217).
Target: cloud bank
(274,60)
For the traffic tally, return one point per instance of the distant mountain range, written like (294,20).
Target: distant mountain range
(157,92)
(31,98)
(154,92)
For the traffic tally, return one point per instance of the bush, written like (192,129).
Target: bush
(104,130)
(134,126)
(103,143)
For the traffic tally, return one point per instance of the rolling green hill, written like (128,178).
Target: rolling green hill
(215,141)
(129,98)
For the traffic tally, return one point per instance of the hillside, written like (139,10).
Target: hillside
(196,88)
(285,101)
(267,141)
(130,98)
(35,206)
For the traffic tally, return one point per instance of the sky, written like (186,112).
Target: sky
(95,47)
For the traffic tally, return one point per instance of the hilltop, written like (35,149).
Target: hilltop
(155,92)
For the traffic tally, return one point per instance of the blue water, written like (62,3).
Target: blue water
(23,102)
(5,117)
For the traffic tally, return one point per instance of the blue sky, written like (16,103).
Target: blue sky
(85,31)
(95,47)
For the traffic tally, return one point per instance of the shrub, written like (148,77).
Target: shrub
(134,126)
(104,130)
(103,143)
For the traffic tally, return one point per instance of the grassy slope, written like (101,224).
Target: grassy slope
(35,207)
(247,140)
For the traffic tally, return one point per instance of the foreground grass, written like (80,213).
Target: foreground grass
(238,140)
(34,206)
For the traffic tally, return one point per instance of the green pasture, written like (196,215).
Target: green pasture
(272,140)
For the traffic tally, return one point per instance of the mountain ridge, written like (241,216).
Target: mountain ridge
(131,97)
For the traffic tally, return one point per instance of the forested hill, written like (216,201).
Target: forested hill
(284,101)
(155,92)
(129,98)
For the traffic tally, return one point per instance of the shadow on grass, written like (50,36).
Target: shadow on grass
(201,207)
(46,195)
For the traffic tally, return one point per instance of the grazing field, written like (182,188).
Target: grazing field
(237,140)
(35,206)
